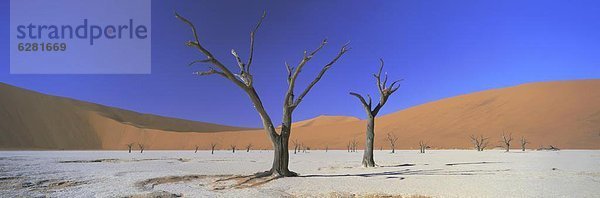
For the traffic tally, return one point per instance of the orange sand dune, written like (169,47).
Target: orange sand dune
(565,114)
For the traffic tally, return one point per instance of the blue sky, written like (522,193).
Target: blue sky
(441,49)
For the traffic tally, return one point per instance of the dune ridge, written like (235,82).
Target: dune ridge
(565,114)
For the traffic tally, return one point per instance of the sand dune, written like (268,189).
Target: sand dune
(565,114)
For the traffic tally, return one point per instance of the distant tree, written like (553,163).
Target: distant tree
(349,146)
(326,148)
(233,147)
(129,146)
(248,147)
(296,146)
(141,147)
(244,80)
(479,142)
(391,137)
(212,147)
(196,149)
(353,145)
(385,92)
(506,139)
(423,146)
(523,143)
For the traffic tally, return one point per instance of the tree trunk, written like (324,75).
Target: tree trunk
(368,154)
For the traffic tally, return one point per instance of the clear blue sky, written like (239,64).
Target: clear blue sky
(440,48)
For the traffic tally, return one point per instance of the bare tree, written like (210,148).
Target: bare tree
(349,146)
(392,139)
(506,139)
(423,146)
(141,147)
(385,92)
(248,147)
(232,147)
(353,145)
(244,80)
(523,143)
(212,147)
(326,148)
(296,146)
(479,142)
(129,146)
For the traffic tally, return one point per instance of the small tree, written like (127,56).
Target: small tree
(353,145)
(196,151)
(141,147)
(385,92)
(392,140)
(233,147)
(212,147)
(423,146)
(296,146)
(506,139)
(248,147)
(349,146)
(326,148)
(523,143)
(479,142)
(129,146)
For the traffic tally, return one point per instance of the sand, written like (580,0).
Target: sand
(438,173)
(565,114)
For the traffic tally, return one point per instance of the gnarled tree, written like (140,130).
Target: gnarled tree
(506,139)
(244,80)
(523,143)
(384,93)
(423,146)
(391,138)
(141,147)
(212,147)
(129,146)
(248,147)
(233,146)
(479,142)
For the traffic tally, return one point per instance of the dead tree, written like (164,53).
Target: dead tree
(349,146)
(233,148)
(212,147)
(326,148)
(296,146)
(506,141)
(392,140)
(479,142)
(353,145)
(523,143)
(141,147)
(423,146)
(248,147)
(129,146)
(244,80)
(384,93)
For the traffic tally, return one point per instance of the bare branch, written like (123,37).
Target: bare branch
(366,105)
(241,65)
(252,34)
(209,72)
(200,61)
(342,51)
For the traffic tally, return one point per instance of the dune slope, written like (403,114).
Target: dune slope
(565,114)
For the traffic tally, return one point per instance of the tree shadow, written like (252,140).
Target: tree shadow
(472,163)
(392,174)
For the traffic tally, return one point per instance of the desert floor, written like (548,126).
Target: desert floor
(438,173)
